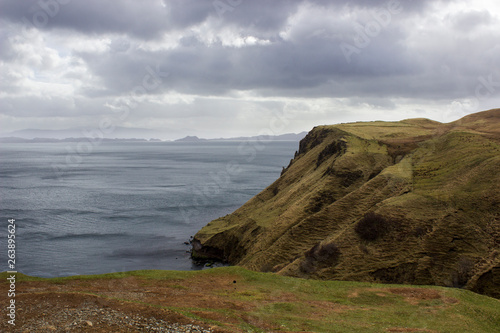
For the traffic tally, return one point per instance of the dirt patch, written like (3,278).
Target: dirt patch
(412,295)
(73,312)
(217,316)
(450,300)
(405,329)
(106,305)
(196,292)
(325,308)
(416,295)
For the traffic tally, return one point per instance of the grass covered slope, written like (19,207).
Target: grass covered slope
(233,299)
(410,202)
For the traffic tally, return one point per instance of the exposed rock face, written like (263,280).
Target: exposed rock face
(414,201)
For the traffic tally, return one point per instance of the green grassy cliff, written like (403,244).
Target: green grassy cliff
(408,202)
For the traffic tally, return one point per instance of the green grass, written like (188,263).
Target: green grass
(374,309)
(290,304)
(146,274)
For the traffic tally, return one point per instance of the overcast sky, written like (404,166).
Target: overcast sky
(242,67)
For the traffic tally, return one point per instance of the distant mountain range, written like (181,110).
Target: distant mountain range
(52,140)
(282,137)
(77,132)
(122,134)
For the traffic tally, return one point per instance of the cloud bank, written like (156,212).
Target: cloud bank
(227,67)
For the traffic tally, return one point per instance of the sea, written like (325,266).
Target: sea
(123,206)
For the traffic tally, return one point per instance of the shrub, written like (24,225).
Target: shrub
(322,199)
(372,226)
(463,272)
(320,256)
(337,147)
(327,253)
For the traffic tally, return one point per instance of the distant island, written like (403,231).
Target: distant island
(190,139)
(52,140)
(282,137)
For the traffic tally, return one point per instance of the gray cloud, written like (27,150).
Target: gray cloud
(260,55)
(149,18)
(468,21)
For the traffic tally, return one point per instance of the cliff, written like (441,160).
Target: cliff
(410,202)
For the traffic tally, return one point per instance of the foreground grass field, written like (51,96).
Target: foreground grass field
(233,299)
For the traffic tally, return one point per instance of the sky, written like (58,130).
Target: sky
(226,68)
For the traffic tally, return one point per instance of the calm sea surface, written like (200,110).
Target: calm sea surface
(125,206)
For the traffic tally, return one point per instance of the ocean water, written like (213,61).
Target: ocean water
(125,205)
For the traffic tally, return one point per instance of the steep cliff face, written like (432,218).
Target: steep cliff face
(414,201)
